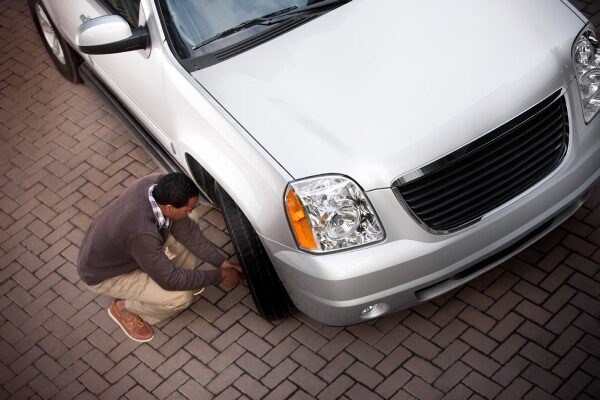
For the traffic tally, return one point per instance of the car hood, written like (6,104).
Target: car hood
(375,89)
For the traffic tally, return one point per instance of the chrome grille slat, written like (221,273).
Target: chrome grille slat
(482,155)
(490,162)
(479,178)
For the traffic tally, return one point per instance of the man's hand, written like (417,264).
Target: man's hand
(231,274)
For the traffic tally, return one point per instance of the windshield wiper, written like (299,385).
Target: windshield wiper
(265,19)
(314,6)
(272,18)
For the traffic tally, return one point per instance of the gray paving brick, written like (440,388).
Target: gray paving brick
(139,392)
(339,342)
(145,377)
(281,331)
(336,367)
(254,344)
(282,391)
(309,338)
(307,381)
(224,379)
(250,387)
(199,372)
(93,382)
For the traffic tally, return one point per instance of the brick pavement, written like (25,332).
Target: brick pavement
(528,329)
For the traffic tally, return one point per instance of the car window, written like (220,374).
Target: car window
(128,9)
(190,22)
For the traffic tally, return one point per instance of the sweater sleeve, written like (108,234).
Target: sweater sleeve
(189,234)
(146,250)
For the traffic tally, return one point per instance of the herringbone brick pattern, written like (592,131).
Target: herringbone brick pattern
(528,329)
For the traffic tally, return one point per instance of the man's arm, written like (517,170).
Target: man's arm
(188,233)
(146,250)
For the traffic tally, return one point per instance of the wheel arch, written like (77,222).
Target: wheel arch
(257,191)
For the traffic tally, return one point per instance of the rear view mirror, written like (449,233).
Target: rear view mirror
(110,34)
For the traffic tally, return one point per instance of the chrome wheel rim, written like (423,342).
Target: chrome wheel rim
(49,34)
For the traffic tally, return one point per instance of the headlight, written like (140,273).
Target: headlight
(329,213)
(586,57)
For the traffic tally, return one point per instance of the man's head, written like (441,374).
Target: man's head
(176,195)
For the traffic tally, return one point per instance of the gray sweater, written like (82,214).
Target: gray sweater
(125,236)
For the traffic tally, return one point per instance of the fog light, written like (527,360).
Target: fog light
(368,309)
(374,310)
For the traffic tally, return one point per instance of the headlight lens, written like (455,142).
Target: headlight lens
(329,213)
(586,58)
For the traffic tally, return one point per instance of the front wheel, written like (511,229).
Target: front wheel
(270,297)
(64,57)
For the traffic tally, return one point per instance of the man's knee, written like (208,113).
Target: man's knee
(180,301)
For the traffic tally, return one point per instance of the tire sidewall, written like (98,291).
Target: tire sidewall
(68,69)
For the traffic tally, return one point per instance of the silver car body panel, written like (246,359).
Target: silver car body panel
(350,93)
(389,92)
(335,288)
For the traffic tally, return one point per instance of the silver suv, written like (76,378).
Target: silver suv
(366,155)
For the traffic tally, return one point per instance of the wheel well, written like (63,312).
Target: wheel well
(203,179)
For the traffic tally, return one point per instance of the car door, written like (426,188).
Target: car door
(135,77)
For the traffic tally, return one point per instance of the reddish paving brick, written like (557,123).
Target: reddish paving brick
(419,367)
(421,390)
(450,332)
(395,358)
(452,376)
(447,313)
(582,264)
(575,385)
(516,390)
(393,382)
(420,346)
(482,385)
(559,298)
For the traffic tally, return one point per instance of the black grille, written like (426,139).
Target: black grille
(474,180)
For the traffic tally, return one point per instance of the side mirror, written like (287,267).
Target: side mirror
(110,34)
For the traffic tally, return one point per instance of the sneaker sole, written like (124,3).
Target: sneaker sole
(125,331)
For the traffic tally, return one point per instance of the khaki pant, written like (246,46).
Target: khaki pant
(145,297)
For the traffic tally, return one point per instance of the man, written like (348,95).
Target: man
(128,253)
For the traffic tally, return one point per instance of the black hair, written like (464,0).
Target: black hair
(175,189)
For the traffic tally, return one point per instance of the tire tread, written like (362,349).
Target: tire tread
(269,294)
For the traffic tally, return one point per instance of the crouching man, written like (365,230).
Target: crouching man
(142,249)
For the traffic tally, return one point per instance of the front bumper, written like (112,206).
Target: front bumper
(414,266)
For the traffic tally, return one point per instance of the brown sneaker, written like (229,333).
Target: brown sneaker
(133,326)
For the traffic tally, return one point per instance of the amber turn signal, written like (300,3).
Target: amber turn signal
(299,222)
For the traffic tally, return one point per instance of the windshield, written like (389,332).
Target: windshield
(193,21)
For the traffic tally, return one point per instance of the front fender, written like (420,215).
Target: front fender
(203,129)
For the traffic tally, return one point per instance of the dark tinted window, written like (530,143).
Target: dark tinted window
(189,22)
(128,9)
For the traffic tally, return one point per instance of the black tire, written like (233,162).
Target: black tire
(68,64)
(270,297)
